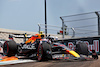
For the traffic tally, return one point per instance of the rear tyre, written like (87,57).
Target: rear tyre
(82,48)
(10,48)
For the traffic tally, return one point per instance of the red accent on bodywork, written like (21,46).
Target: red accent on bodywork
(67,51)
(60,57)
(66,57)
(61,45)
(11,38)
(55,45)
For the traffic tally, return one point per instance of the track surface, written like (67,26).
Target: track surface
(53,63)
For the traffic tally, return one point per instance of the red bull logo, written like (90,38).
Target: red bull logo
(94,46)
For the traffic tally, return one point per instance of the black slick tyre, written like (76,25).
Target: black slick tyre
(40,53)
(82,48)
(47,48)
(10,48)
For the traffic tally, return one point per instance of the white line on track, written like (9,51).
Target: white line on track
(16,62)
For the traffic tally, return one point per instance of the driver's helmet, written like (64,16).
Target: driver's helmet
(42,35)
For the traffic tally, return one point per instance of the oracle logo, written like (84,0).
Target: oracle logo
(94,46)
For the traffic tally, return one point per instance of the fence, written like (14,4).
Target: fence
(82,25)
(53,30)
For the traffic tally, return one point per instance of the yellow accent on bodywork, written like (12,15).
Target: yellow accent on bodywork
(74,53)
(37,55)
(25,35)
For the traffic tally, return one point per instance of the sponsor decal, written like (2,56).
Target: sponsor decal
(94,46)
(59,56)
(28,46)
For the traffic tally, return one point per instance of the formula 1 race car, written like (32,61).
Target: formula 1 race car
(40,48)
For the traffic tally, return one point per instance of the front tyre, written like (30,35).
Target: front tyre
(82,48)
(47,48)
(40,53)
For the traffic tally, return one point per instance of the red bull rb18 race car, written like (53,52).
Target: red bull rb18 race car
(41,48)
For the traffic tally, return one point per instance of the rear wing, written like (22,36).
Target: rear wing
(24,36)
(20,36)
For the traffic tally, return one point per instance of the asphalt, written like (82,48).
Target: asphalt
(59,63)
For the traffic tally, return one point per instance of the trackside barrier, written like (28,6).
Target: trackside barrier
(93,43)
